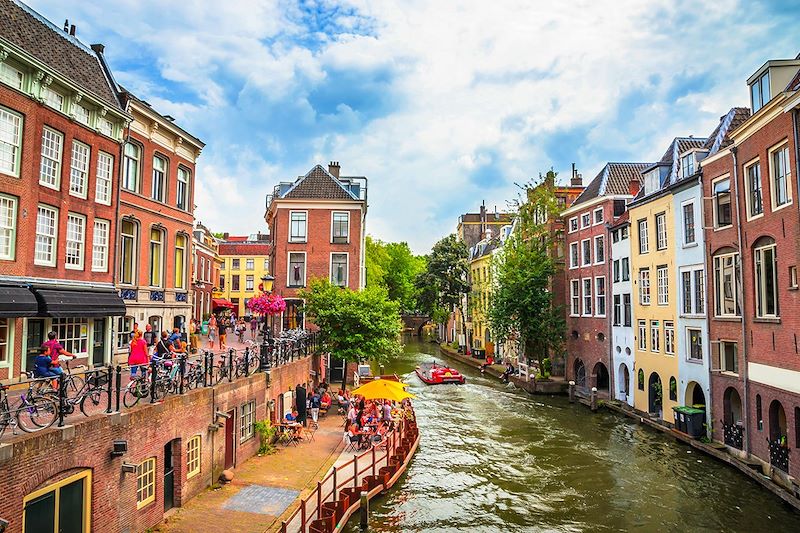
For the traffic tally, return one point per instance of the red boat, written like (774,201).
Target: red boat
(435,374)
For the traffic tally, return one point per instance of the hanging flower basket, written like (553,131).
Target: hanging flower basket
(267,304)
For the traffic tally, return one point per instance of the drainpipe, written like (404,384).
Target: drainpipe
(745,401)
(709,398)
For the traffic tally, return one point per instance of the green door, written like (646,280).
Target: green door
(98,341)
(34,341)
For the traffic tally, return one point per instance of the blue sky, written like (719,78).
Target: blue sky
(441,104)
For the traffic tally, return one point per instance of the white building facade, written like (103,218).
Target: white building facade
(622,338)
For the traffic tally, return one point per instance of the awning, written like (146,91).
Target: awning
(83,303)
(17,301)
(216,303)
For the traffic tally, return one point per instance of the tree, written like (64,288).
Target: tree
(521,304)
(354,325)
(444,281)
(394,267)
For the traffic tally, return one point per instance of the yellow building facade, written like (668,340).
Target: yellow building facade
(654,310)
(480,276)
(244,263)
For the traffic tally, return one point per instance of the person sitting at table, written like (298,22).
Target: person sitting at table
(292,417)
(325,402)
(355,434)
(344,403)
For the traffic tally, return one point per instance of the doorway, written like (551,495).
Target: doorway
(580,373)
(169,475)
(229,443)
(34,341)
(655,396)
(601,377)
(98,341)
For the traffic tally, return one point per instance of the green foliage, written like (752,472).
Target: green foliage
(393,267)
(522,304)
(444,279)
(354,325)
(266,433)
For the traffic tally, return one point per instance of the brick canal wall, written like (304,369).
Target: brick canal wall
(151,431)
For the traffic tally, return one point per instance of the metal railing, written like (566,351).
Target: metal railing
(79,395)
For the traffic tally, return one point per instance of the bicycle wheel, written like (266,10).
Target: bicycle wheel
(73,384)
(253,363)
(94,402)
(218,373)
(36,413)
(134,392)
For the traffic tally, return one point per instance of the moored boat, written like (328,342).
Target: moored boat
(436,374)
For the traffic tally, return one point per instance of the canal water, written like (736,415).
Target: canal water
(495,459)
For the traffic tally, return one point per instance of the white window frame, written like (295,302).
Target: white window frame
(691,158)
(644,238)
(53,98)
(689,345)
(600,297)
(8,225)
(333,217)
(599,239)
(288,269)
(595,222)
(714,204)
(575,297)
(11,76)
(661,232)
(625,268)
(586,220)
(247,419)
(573,225)
(79,170)
(82,114)
(691,205)
(304,236)
(346,269)
(250,264)
(718,288)
(587,298)
(249,282)
(574,260)
(11,127)
(753,163)
(78,244)
(52,153)
(100,245)
(616,316)
(162,190)
(184,177)
(128,162)
(104,174)
(642,326)
(586,258)
(655,336)
(644,286)
(669,337)
(52,237)
(73,334)
(787,176)
(106,127)
(662,285)
(760,281)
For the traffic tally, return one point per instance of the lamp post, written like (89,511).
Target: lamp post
(267,282)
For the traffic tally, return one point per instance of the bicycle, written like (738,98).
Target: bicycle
(32,414)
(89,396)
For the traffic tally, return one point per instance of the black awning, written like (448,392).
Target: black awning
(64,303)
(17,301)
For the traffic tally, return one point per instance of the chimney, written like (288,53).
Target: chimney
(577,179)
(333,168)
(633,187)
(66,25)
(98,48)
(72,30)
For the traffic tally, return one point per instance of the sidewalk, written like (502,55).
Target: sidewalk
(263,488)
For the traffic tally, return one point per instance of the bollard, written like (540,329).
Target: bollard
(153,375)
(231,353)
(182,370)
(109,385)
(247,361)
(364,511)
(593,399)
(118,384)
(62,396)
(571,392)
(205,369)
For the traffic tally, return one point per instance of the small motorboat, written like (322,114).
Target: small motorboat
(436,374)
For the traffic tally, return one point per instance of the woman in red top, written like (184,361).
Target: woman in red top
(138,355)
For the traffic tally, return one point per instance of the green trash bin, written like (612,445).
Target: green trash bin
(204,328)
(695,421)
(680,419)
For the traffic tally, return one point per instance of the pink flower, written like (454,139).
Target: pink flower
(267,304)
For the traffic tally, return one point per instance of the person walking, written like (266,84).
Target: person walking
(149,337)
(212,331)
(315,404)
(222,329)
(138,354)
(253,327)
(193,336)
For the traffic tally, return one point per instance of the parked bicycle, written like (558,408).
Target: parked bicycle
(31,413)
(91,394)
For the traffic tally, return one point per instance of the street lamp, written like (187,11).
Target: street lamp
(267,283)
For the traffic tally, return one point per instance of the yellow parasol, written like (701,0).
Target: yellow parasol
(383,389)
(399,384)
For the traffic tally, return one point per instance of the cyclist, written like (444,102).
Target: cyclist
(163,351)
(57,352)
(43,365)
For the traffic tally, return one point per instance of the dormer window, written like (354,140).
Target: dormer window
(651,182)
(759,92)
(687,165)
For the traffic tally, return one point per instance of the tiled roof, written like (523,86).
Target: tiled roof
(794,85)
(720,137)
(318,183)
(244,248)
(483,249)
(26,29)
(614,179)
(622,220)
(678,146)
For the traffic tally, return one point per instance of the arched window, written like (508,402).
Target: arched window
(673,389)
(132,167)
(128,246)
(156,257)
(180,261)
(640,379)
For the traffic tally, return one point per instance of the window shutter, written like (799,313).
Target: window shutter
(715,356)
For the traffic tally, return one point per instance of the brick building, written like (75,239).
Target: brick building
(244,260)
(156,220)
(61,127)
(587,284)
(206,266)
(752,248)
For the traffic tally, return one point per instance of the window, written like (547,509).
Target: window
(249,264)
(661,231)
(642,335)
(128,246)
(193,457)
(792,269)
(235,265)
(599,249)
(73,334)
(695,344)
(726,285)
(50,167)
(586,246)
(156,257)
(755,203)
(100,245)
(687,165)
(766,279)
(105,166)
(644,286)
(10,75)
(655,340)
(619,208)
(586,220)
(759,92)
(10,141)
(587,296)
(52,98)
(82,114)
(598,215)
(4,340)
(759,417)
(625,266)
(131,167)
(341,227)
(624,233)
(669,337)
(644,245)
(573,224)
(106,127)
(626,310)
(8,226)
(297,226)
(247,420)
(617,319)
(688,224)
(159,178)
(673,389)
(640,379)
(722,203)
(297,270)
(182,194)
(61,507)
(652,180)
(46,234)
(662,280)
(235,282)
(339,270)
(686,284)
(573,255)
(266,265)
(729,360)
(699,292)
(79,169)
(221,282)
(146,482)
(180,261)
(575,297)
(615,236)
(600,296)
(249,280)
(123,333)
(616,270)
(781,174)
